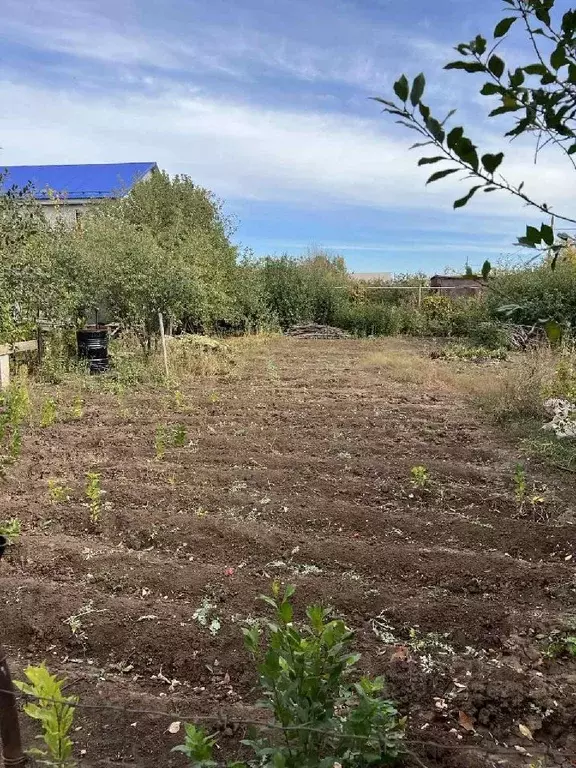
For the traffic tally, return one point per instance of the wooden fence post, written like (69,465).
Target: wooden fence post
(9,349)
(163,339)
(12,754)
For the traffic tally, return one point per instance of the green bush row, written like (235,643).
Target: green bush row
(167,248)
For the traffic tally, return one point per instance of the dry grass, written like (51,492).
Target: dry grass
(409,363)
(513,391)
(505,392)
(400,362)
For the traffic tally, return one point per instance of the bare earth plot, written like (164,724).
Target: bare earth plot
(297,466)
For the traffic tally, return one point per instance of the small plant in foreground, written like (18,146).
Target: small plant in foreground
(77,408)
(562,646)
(197,747)
(57,493)
(160,442)
(94,493)
(54,711)
(179,436)
(10,529)
(48,413)
(420,477)
(15,445)
(531,499)
(520,485)
(321,717)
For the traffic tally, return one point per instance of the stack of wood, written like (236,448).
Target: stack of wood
(316,331)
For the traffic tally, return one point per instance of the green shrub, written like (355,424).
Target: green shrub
(410,320)
(368,319)
(490,335)
(530,295)
(322,717)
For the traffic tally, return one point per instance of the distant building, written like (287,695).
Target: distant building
(372,277)
(452,285)
(65,191)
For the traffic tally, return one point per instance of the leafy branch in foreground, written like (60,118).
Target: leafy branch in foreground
(541,95)
(54,711)
(321,717)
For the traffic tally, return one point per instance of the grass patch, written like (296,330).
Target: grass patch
(514,393)
(560,453)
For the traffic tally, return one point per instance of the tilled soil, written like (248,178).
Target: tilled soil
(296,466)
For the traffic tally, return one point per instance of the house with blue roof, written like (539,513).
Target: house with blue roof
(64,191)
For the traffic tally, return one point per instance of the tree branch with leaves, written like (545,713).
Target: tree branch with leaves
(540,95)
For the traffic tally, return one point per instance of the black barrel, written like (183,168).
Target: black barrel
(3,545)
(93,347)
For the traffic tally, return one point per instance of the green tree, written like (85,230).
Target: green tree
(37,268)
(125,271)
(540,95)
(165,247)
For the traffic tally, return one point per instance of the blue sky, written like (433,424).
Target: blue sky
(266,102)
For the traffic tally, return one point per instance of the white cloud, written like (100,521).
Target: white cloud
(246,152)
(93,33)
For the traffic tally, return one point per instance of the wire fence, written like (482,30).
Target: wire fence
(414,748)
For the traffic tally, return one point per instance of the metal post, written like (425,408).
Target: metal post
(12,754)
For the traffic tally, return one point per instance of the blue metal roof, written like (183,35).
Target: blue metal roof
(76,182)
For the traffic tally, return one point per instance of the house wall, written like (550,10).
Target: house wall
(68,211)
(457,286)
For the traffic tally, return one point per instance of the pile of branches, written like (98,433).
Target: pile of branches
(316,331)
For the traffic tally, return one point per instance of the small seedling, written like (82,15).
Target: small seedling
(54,711)
(527,498)
(213,398)
(179,436)
(48,413)
(520,485)
(160,442)
(76,624)
(178,399)
(420,478)
(94,494)
(15,446)
(205,616)
(198,747)
(562,646)
(57,492)
(77,408)
(10,529)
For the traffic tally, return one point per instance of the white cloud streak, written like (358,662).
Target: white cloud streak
(246,152)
